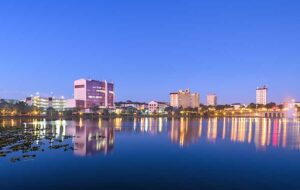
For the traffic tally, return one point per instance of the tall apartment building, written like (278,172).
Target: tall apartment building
(212,100)
(184,99)
(94,93)
(262,95)
(58,104)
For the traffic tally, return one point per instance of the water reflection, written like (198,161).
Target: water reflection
(212,129)
(94,137)
(262,132)
(90,139)
(185,131)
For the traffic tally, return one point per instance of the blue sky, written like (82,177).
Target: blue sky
(151,47)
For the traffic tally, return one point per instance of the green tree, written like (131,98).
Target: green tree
(280,106)
(52,113)
(271,105)
(95,109)
(105,113)
(169,109)
(252,106)
(22,108)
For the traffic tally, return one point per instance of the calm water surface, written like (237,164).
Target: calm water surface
(215,153)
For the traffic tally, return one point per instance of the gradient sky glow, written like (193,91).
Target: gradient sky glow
(151,47)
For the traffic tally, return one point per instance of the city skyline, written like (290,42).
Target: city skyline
(149,94)
(151,49)
(77,99)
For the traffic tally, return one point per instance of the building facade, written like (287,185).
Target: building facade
(262,95)
(58,104)
(157,107)
(136,105)
(237,106)
(95,93)
(212,100)
(185,99)
(84,145)
(72,103)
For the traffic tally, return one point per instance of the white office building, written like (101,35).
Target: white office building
(58,104)
(262,95)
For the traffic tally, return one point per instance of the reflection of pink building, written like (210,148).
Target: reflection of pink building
(94,93)
(90,139)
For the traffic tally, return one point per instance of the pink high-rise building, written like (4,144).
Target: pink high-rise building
(94,93)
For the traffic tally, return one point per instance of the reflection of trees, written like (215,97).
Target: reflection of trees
(10,122)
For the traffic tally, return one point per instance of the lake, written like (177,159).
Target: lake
(151,153)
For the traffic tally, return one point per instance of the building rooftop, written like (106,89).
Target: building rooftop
(262,88)
(90,80)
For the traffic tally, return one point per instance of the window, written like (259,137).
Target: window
(79,86)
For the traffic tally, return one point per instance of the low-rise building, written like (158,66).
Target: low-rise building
(237,106)
(58,104)
(158,107)
(136,105)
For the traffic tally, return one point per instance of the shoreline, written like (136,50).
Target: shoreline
(133,117)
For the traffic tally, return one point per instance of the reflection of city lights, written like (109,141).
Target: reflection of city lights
(275,141)
(200,128)
(250,131)
(212,130)
(234,126)
(185,131)
(262,133)
(224,129)
(183,128)
(146,124)
(134,123)
(284,133)
(12,122)
(118,124)
(80,122)
(160,125)
(100,123)
(241,130)
(263,139)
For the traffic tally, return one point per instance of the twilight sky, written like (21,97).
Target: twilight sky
(151,47)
